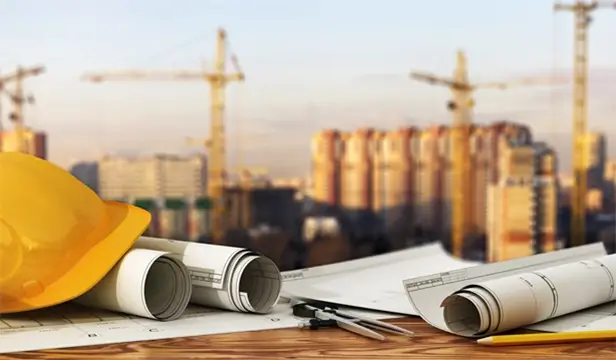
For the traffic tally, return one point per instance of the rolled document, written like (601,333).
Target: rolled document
(225,277)
(520,300)
(146,283)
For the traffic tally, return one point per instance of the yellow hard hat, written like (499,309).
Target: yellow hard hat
(57,237)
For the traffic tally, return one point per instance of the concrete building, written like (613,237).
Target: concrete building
(325,153)
(87,172)
(596,159)
(393,190)
(409,173)
(356,182)
(35,142)
(427,209)
(158,176)
(523,205)
(486,145)
(610,186)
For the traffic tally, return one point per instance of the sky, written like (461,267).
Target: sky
(308,65)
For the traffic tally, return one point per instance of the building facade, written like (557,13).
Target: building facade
(523,205)
(35,143)
(325,153)
(158,176)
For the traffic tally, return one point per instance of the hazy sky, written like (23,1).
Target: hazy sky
(309,64)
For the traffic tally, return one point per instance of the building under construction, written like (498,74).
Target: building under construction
(398,183)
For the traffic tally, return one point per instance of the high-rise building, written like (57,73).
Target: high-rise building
(486,145)
(523,205)
(596,159)
(158,176)
(394,182)
(356,181)
(610,185)
(325,153)
(87,172)
(370,171)
(35,143)
(428,205)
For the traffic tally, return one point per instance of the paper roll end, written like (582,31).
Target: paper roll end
(461,315)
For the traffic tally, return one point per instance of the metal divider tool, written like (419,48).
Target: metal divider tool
(325,315)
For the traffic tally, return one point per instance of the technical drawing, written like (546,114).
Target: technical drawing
(71,325)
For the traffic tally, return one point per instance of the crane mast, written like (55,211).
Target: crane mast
(218,79)
(217,152)
(461,105)
(582,19)
(462,197)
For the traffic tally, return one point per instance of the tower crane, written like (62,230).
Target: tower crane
(460,106)
(581,11)
(19,99)
(216,149)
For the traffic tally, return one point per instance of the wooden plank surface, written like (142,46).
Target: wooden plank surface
(328,344)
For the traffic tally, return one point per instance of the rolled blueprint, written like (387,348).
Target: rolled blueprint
(520,300)
(225,277)
(146,283)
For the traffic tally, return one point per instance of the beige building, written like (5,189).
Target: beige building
(325,152)
(356,182)
(158,176)
(523,205)
(406,175)
(34,143)
(393,182)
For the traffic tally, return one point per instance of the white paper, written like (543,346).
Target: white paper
(501,296)
(70,325)
(372,282)
(224,277)
(605,323)
(588,319)
(145,283)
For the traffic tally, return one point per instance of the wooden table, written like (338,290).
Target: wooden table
(329,344)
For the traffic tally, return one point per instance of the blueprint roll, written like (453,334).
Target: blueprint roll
(507,303)
(255,283)
(147,283)
(225,277)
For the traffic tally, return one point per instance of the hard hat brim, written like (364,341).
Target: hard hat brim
(126,224)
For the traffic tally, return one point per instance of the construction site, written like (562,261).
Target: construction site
(488,192)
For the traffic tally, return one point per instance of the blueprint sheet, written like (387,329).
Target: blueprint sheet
(374,282)
(71,325)
(558,291)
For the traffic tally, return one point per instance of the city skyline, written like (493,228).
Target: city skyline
(309,65)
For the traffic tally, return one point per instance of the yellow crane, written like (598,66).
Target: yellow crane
(19,99)
(460,106)
(216,149)
(581,11)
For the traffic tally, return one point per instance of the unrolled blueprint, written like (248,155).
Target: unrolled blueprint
(71,325)
(371,283)
(497,297)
